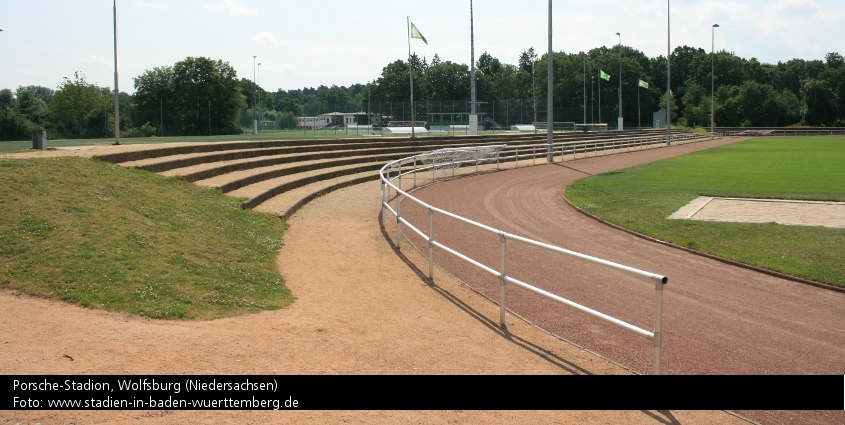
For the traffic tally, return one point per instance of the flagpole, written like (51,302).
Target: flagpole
(599,96)
(411,73)
(639,116)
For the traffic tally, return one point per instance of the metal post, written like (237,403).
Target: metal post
(516,156)
(383,185)
(473,117)
(415,171)
(620,83)
(550,95)
(116,87)
(712,75)
(430,243)
(398,221)
(658,324)
(504,270)
(668,76)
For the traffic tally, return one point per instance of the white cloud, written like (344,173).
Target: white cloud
(267,38)
(801,7)
(149,5)
(232,6)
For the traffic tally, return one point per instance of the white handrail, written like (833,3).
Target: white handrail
(659,280)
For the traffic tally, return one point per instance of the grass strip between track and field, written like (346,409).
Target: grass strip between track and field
(641,198)
(105,236)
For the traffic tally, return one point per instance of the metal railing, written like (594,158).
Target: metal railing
(392,190)
(782,132)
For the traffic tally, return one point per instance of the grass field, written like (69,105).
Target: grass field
(640,199)
(279,135)
(104,236)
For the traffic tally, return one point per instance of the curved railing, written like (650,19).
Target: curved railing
(414,171)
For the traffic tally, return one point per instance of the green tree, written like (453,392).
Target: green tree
(819,103)
(74,102)
(207,95)
(154,97)
(13,125)
(447,81)
(394,83)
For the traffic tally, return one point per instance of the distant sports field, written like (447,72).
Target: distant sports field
(802,168)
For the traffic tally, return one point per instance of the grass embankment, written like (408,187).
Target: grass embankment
(104,236)
(640,199)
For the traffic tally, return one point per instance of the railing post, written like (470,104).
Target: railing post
(400,177)
(658,324)
(415,171)
(504,273)
(516,156)
(383,184)
(398,221)
(430,243)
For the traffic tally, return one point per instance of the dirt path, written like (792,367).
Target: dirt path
(360,309)
(719,319)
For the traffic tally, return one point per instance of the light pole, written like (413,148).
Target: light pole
(619,124)
(116,89)
(254,112)
(473,114)
(550,96)
(258,90)
(533,86)
(712,75)
(668,76)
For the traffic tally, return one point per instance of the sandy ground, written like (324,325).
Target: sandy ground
(788,212)
(360,309)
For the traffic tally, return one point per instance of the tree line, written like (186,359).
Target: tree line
(202,96)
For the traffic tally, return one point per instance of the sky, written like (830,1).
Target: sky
(342,42)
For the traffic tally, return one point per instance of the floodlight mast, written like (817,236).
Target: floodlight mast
(550,97)
(254,112)
(116,88)
(668,76)
(712,76)
(473,114)
(620,82)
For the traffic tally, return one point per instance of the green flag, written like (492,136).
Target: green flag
(604,76)
(643,84)
(415,33)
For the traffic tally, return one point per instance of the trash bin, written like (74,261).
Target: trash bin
(39,139)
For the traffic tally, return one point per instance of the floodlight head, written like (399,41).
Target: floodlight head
(618,33)
(715,25)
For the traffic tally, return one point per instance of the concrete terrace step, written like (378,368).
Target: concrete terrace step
(286,204)
(282,176)
(261,191)
(237,179)
(207,170)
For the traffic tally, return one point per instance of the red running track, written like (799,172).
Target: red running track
(718,318)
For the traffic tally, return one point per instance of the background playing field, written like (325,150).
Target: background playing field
(640,199)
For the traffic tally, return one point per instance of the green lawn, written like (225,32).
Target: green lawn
(640,199)
(274,135)
(278,135)
(105,236)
